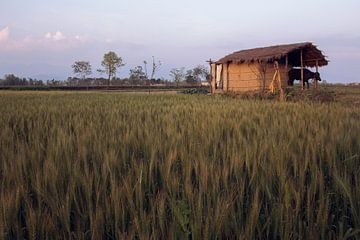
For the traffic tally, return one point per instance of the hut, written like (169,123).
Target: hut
(256,69)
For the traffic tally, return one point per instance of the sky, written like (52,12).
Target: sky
(42,38)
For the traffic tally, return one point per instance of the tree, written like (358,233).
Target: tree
(82,69)
(177,75)
(137,74)
(145,69)
(111,62)
(201,72)
(155,68)
(12,80)
(197,74)
(189,76)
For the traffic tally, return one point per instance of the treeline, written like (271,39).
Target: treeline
(12,80)
(111,63)
(143,74)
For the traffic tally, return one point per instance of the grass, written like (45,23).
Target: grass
(95,165)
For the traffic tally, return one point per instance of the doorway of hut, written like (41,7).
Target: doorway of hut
(219,82)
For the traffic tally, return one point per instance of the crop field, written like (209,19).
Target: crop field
(97,165)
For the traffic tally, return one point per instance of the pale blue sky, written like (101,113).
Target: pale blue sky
(42,38)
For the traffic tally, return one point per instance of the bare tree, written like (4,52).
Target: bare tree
(155,67)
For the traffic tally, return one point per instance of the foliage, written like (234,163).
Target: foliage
(137,74)
(82,68)
(189,76)
(197,74)
(196,91)
(111,62)
(177,75)
(139,166)
(12,80)
(201,73)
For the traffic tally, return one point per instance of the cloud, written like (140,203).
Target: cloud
(54,41)
(81,38)
(4,34)
(57,36)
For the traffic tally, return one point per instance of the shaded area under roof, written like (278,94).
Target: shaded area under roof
(311,54)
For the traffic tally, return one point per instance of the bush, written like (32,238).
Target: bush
(196,91)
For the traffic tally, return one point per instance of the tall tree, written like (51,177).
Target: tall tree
(82,69)
(111,62)
(154,68)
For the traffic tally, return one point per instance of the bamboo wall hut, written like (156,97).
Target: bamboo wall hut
(253,69)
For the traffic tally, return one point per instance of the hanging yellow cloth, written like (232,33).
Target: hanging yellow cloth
(277,78)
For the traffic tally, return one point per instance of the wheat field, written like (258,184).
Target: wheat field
(136,166)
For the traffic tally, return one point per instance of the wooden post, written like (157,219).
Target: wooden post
(213,77)
(302,69)
(227,77)
(317,70)
(262,71)
(287,66)
(224,76)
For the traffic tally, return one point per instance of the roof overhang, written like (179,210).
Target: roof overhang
(312,56)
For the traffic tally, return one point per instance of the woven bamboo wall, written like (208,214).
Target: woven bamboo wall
(248,77)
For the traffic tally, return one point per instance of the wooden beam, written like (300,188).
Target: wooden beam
(314,59)
(302,69)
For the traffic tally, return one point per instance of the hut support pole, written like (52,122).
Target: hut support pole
(287,65)
(212,75)
(317,70)
(302,70)
(227,77)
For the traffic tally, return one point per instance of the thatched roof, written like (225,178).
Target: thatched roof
(311,54)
